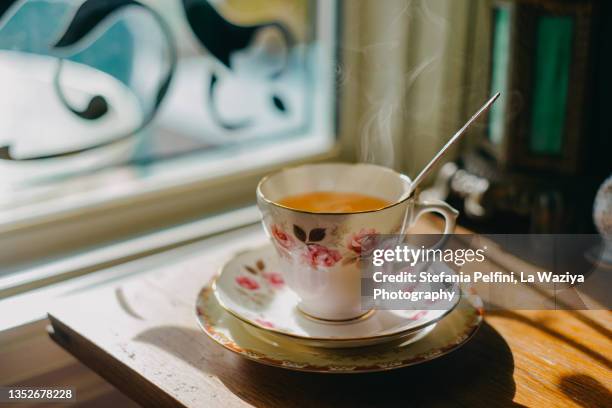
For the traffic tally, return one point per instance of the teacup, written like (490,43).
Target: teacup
(319,252)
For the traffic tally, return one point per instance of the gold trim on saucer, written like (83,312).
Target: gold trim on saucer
(228,332)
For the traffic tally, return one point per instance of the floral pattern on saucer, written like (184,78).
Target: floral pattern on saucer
(449,334)
(257,284)
(250,287)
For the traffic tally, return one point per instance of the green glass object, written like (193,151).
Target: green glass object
(550,87)
(499,71)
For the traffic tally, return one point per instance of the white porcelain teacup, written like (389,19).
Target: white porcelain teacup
(324,271)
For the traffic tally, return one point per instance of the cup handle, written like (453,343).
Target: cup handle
(449,213)
(450,219)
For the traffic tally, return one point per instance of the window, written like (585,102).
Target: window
(92,142)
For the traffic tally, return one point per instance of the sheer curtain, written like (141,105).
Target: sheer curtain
(421,72)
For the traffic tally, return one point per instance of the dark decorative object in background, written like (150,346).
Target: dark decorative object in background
(89,15)
(537,165)
(216,34)
(222,38)
(5,6)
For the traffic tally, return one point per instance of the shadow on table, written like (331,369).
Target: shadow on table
(592,392)
(594,354)
(478,374)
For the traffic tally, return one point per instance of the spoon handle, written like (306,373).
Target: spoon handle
(452,141)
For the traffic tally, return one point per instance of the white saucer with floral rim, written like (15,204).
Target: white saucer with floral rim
(277,350)
(250,287)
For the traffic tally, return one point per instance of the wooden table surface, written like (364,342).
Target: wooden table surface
(142,337)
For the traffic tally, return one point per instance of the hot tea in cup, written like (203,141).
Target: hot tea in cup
(333,202)
(321,218)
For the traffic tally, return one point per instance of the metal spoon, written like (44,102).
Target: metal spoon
(452,141)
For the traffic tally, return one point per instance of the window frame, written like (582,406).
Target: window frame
(30,239)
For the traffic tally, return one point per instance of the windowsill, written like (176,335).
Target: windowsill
(115,263)
(138,201)
(135,183)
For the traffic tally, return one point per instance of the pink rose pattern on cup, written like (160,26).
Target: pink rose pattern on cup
(282,238)
(306,246)
(362,242)
(317,255)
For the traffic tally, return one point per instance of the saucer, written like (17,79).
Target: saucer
(251,288)
(285,341)
(280,351)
